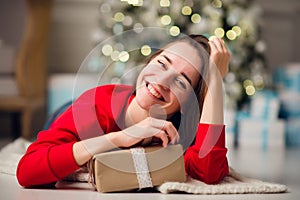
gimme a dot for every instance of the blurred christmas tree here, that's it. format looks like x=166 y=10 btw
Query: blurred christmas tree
x=238 y=22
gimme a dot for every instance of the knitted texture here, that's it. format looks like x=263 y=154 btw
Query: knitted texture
x=233 y=183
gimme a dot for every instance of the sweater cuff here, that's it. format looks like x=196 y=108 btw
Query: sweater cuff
x=61 y=160
x=210 y=135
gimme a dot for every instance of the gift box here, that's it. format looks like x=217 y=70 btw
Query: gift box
x=288 y=77
x=292 y=132
x=261 y=134
x=138 y=168
x=265 y=104
x=289 y=104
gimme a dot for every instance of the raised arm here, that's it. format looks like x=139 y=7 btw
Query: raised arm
x=206 y=159
x=212 y=112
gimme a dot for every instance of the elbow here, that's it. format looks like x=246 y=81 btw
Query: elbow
x=21 y=174
x=214 y=177
x=211 y=169
x=23 y=181
x=216 y=171
x=28 y=177
x=27 y=180
x=210 y=176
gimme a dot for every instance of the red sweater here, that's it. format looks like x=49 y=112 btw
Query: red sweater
x=50 y=157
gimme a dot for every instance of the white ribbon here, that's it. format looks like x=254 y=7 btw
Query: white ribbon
x=141 y=167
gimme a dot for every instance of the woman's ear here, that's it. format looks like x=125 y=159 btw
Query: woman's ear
x=181 y=111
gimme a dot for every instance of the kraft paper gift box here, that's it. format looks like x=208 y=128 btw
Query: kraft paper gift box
x=138 y=168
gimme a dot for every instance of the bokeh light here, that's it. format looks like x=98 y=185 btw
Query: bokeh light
x=216 y=3
x=174 y=31
x=124 y=56
x=138 y=27
x=115 y=55
x=237 y=30
x=119 y=17
x=107 y=50
x=231 y=35
x=164 y=3
x=196 y=18
x=247 y=82
x=219 y=32
x=250 y=90
x=165 y=19
x=186 y=10
x=146 y=50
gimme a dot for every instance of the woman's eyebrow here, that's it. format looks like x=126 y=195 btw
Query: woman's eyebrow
x=183 y=74
x=186 y=77
x=168 y=59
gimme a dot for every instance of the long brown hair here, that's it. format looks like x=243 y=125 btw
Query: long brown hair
x=187 y=121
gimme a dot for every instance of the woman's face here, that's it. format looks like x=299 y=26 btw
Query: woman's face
x=168 y=79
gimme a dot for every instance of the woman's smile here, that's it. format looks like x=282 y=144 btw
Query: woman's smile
x=154 y=92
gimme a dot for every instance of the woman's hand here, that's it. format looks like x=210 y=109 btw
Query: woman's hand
x=149 y=127
x=220 y=55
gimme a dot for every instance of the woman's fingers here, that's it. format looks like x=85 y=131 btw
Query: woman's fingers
x=163 y=137
x=167 y=127
x=151 y=127
x=218 y=45
x=220 y=55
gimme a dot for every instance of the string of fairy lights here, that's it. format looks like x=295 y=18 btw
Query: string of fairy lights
x=237 y=22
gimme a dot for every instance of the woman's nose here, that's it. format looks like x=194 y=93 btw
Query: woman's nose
x=164 y=87
x=164 y=80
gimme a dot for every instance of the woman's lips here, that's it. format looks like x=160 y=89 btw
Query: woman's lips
x=154 y=92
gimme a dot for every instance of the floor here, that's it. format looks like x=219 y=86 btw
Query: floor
x=272 y=165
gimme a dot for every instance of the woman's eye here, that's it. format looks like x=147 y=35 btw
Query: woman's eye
x=162 y=64
x=181 y=83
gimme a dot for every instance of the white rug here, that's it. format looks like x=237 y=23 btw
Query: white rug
x=11 y=154
x=234 y=183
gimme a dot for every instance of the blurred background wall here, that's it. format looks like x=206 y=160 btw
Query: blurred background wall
x=74 y=22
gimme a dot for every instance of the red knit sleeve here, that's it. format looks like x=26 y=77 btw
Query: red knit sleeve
x=206 y=159
x=46 y=162
x=50 y=157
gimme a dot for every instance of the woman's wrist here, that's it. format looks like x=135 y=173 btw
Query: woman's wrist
x=84 y=150
x=80 y=153
x=214 y=77
x=122 y=139
x=116 y=139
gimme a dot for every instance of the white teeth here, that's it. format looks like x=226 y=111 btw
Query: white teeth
x=153 y=91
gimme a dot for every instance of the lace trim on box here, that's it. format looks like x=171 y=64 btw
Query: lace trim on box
x=141 y=167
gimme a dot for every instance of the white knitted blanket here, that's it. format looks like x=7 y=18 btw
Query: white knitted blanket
x=233 y=183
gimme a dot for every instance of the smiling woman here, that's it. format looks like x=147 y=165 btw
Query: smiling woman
x=177 y=99
x=164 y=81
